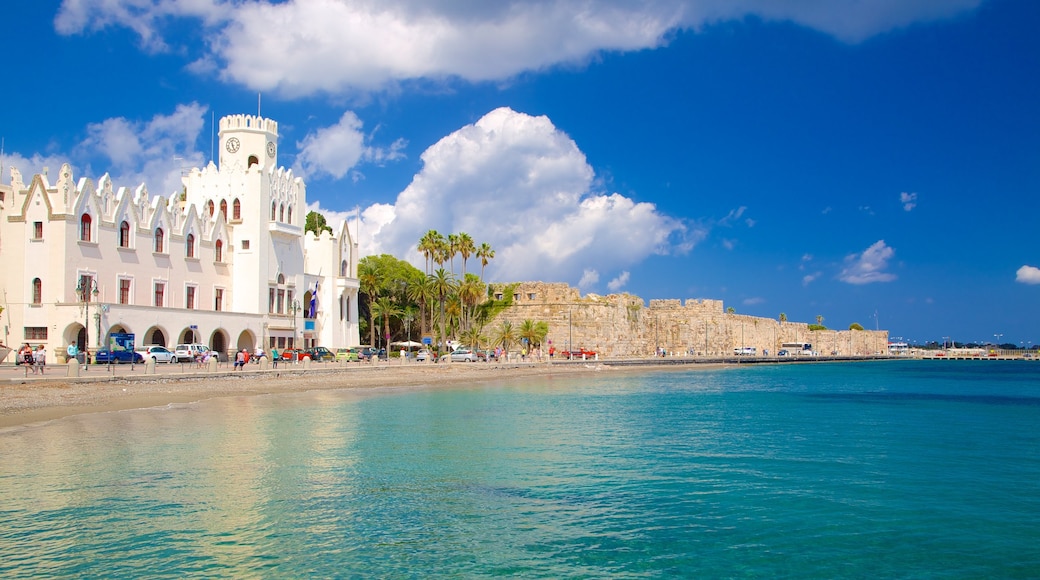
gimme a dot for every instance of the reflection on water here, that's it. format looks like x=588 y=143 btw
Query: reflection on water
x=765 y=471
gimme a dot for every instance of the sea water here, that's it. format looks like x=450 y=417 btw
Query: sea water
x=884 y=469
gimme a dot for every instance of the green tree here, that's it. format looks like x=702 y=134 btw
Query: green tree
x=315 y=222
x=783 y=318
x=855 y=326
x=819 y=319
x=485 y=254
x=384 y=307
x=443 y=287
x=730 y=310
x=504 y=335
x=466 y=249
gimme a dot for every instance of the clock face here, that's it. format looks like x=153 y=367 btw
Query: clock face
x=270 y=148
x=232 y=145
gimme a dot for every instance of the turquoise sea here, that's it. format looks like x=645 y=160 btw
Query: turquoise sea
x=882 y=470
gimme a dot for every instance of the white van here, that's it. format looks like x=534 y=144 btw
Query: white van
x=189 y=352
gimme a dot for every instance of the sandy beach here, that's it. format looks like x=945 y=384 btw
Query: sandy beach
x=25 y=401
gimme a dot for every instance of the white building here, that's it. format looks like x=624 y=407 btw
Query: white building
x=225 y=262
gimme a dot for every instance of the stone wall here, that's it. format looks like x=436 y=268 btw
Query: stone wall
x=620 y=325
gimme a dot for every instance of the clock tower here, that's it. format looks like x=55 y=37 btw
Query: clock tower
x=249 y=141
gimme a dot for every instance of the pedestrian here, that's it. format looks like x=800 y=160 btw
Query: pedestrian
x=72 y=351
x=240 y=359
x=274 y=357
x=40 y=358
x=26 y=354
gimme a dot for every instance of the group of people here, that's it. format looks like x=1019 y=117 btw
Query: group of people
x=243 y=356
x=33 y=358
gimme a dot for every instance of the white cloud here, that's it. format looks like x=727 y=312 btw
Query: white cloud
x=810 y=278
x=337 y=149
x=1028 y=275
x=909 y=200
x=518 y=183
x=869 y=266
x=340 y=46
x=589 y=278
x=619 y=282
x=753 y=301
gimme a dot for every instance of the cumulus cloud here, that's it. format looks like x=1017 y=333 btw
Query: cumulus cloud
x=753 y=301
x=868 y=266
x=518 y=183
x=589 y=278
x=619 y=282
x=365 y=45
x=1028 y=275
x=336 y=149
x=909 y=200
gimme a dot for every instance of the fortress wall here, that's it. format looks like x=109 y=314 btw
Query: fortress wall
x=620 y=325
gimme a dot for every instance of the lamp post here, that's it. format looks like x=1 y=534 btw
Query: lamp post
x=97 y=320
x=86 y=288
x=294 y=308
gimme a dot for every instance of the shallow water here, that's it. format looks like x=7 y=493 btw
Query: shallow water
x=909 y=468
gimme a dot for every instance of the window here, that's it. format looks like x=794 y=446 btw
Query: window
x=274 y=210
x=84 y=228
x=270 y=299
x=189 y=297
x=160 y=290
x=86 y=283
x=245 y=244
x=288 y=220
x=253 y=160
x=236 y=210
x=219 y=251
x=281 y=301
x=124 y=235
x=124 y=291
x=223 y=208
x=531 y=295
x=37 y=230
x=158 y=240
x=210 y=207
x=343 y=268
x=281 y=213
x=218 y=299
x=37 y=291
x=189 y=246
x=35 y=333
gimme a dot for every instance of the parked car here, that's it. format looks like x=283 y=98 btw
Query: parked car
x=189 y=352
x=106 y=356
x=320 y=353
x=293 y=354
x=578 y=354
x=461 y=354
x=486 y=355
x=423 y=355
x=347 y=354
x=369 y=352
x=160 y=354
x=783 y=353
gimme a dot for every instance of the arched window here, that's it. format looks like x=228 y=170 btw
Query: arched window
x=158 y=240
x=189 y=246
x=84 y=228
x=219 y=248
x=210 y=207
x=281 y=213
x=274 y=210
x=37 y=290
x=281 y=278
x=288 y=219
x=124 y=235
x=236 y=210
x=253 y=160
x=343 y=268
x=223 y=208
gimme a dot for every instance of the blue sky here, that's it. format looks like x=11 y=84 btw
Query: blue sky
x=873 y=162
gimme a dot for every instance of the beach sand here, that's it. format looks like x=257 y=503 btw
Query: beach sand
x=40 y=400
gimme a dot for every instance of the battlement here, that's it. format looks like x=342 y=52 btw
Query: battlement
x=252 y=122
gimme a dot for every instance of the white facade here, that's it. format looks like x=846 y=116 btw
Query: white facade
x=223 y=263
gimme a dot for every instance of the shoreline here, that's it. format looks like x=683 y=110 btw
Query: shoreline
x=40 y=400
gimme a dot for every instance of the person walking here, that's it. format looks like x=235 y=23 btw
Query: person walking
x=40 y=358
x=240 y=359
x=274 y=357
x=26 y=354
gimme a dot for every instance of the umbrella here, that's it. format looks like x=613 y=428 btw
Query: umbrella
x=407 y=344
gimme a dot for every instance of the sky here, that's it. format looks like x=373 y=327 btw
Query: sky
x=865 y=161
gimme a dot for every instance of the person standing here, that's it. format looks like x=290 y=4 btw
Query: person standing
x=40 y=358
x=274 y=357
x=72 y=350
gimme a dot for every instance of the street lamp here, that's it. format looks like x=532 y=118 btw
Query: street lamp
x=294 y=308
x=86 y=288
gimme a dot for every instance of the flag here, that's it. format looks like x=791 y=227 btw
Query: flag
x=314 y=302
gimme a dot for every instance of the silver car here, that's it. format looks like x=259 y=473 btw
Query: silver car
x=461 y=355
x=159 y=354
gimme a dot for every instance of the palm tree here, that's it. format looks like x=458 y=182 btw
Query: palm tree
x=466 y=249
x=428 y=246
x=819 y=319
x=486 y=254
x=453 y=248
x=443 y=286
x=504 y=335
x=474 y=338
x=385 y=307
x=422 y=292
x=369 y=286
x=783 y=318
x=730 y=310
x=471 y=289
